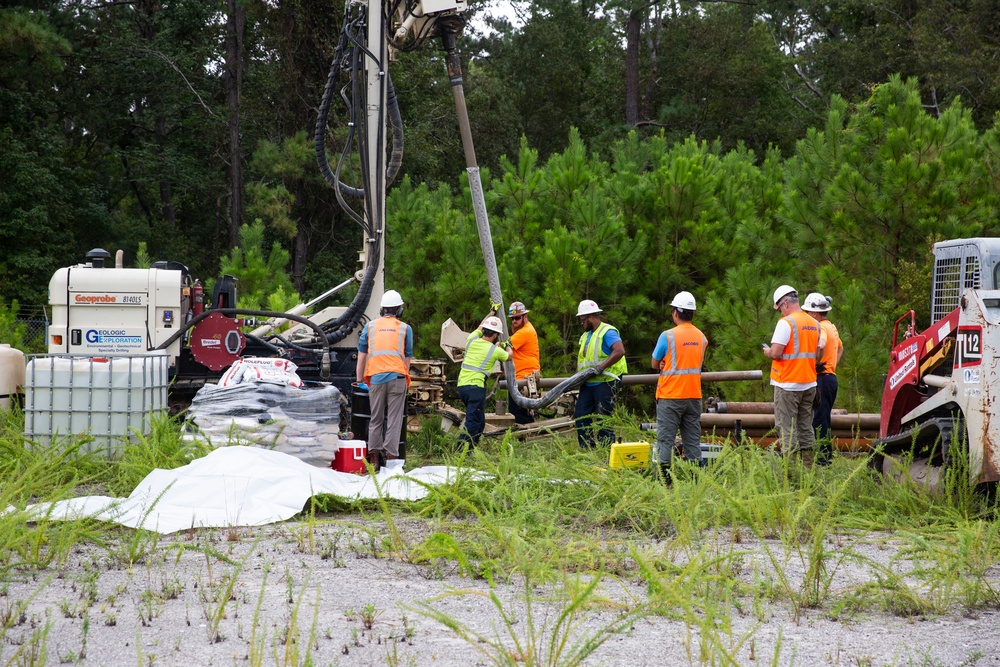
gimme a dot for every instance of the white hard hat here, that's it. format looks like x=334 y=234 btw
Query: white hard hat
x=588 y=307
x=391 y=299
x=782 y=291
x=817 y=303
x=516 y=309
x=492 y=323
x=684 y=301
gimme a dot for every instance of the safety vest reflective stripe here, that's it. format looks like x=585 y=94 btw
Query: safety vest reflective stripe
x=796 y=354
x=672 y=355
x=595 y=357
x=589 y=357
x=833 y=345
x=481 y=368
x=680 y=372
x=798 y=365
x=386 y=348
x=399 y=349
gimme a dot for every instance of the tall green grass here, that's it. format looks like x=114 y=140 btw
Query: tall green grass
x=751 y=530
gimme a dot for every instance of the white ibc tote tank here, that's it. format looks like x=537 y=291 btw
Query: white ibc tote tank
x=110 y=398
x=11 y=374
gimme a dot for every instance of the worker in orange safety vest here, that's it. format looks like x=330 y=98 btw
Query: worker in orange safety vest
x=796 y=343
x=385 y=349
x=818 y=305
x=524 y=348
x=678 y=358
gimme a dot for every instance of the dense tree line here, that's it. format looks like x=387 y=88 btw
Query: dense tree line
x=636 y=148
x=852 y=212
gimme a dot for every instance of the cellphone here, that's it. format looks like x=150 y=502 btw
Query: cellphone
x=765 y=346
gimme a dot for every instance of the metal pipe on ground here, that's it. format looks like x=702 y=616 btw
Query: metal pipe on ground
x=850 y=433
x=742 y=407
x=719 y=376
x=857 y=421
x=713 y=404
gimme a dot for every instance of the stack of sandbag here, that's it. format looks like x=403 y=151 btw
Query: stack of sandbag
x=300 y=421
x=261 y=369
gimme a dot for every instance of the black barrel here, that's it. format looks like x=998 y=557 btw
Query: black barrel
x=361 y=414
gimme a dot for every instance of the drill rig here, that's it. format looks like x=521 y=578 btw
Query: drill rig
x=942 y=386
x=101 y=308
x=103 y=311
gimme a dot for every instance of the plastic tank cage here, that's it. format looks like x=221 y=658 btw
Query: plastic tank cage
x=109 y=398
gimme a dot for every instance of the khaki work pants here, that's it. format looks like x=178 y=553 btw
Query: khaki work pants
x=793 y=415
x=387 y=402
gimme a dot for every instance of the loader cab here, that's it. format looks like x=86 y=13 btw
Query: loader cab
x=961 y=264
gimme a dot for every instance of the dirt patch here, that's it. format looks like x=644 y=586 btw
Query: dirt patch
x=325 y=593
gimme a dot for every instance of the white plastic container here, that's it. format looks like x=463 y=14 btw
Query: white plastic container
x=108 y=397
x=11 y=374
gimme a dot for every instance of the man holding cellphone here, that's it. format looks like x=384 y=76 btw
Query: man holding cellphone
x=796 y=343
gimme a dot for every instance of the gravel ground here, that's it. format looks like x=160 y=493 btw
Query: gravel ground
x=290 y=602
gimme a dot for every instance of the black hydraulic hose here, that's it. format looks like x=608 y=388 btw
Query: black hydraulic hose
x=341 y=327
x=319 y=137
x=261 y=341
x=396 y=154
x=324 y=371
x=351 y=52
x=284 y=342
x=396 y=123
x=322 y=118
x=551 y=395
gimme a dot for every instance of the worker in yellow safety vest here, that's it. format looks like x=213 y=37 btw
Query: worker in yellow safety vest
x=818 y=306
x=796 y=343
x=482 y=351
x=601 y=347
x=385 y=349
x=678 y=358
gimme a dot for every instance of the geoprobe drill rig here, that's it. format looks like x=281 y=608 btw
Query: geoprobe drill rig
x=100 y=310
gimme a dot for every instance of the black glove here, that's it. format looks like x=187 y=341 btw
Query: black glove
x=820 y=366
x=592 y=372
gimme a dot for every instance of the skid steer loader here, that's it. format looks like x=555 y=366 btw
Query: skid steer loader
x=941 y=390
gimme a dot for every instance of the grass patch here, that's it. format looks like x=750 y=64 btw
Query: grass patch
x=752 y=534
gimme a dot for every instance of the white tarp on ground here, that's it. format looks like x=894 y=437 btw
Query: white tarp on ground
x=238 y=486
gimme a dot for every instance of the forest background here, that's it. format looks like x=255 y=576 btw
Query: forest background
x=631 y=149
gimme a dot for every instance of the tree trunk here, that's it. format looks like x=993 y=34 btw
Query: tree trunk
x=300 y=257
x=632 y=37
x=653 y=29
x=235 y=20
x=166 y=190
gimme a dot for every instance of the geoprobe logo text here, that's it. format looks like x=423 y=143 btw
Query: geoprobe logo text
x=111 y=336
x=95 y=298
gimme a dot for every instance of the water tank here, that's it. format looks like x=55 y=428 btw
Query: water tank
x=110 y=398
x=11 y=374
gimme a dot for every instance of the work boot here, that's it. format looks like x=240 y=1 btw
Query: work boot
x=824 y=454
x=668 y=480
x=374 y=459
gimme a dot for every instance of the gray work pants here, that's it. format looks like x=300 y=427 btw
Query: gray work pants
x=386 y=425
x=673 y=414
x=793 y=416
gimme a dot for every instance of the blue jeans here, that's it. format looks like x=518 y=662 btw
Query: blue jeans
x=521 y=415
x=595 y=400
x=475 y=415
